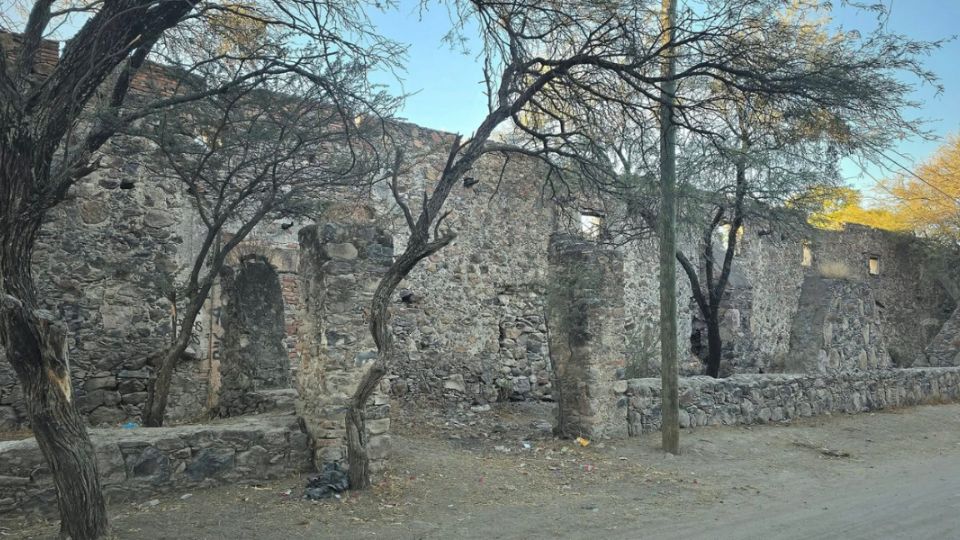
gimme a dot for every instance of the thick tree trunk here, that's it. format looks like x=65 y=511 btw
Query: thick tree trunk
x=714 y=345
x=35 y=346
x=36 y=349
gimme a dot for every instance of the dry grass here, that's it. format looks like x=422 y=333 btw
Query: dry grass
x=835 y=270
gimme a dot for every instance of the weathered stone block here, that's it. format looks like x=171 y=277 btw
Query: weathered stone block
x=210 y=462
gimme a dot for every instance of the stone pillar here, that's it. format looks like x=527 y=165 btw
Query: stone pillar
x=340 y=266
x=585 y=325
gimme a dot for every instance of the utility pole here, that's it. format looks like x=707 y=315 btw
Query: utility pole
x=669 y=394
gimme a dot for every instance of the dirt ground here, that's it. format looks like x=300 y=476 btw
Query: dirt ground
x=499 y=474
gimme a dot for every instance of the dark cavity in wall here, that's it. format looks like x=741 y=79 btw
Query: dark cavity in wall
x=254 y=355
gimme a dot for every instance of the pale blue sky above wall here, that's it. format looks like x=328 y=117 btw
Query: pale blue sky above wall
x=448 y=94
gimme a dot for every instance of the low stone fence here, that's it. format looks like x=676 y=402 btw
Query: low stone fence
x=138 y=463
x=758 y=399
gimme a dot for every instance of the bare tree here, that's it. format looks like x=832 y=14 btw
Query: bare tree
x=517 y=76
x=246 y=156
x=53 y=124
x=752 y=152
x=767 y=102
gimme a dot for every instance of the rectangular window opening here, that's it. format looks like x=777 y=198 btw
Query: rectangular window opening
x=591 y=225
x=873 y=266
x=807 y=258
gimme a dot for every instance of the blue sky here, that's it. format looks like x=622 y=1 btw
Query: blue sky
x=448 y=92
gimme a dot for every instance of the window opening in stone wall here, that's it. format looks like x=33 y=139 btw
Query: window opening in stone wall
x=873 y=266
x=807 y=257
x=591 y=225
x=723 y=231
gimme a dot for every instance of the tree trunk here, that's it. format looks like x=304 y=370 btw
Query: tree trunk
x=714 y=345
x=670 y=429
x=35 y=346
x=419 y=247
x=36 y=349
x=357 y=457
x=156 y=404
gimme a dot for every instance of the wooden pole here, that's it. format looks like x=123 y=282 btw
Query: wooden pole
x=668 y=239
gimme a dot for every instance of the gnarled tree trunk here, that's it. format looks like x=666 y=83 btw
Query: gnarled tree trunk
x=419 y=247
x=35 y=346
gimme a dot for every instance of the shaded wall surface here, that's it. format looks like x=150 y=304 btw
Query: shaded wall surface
x=254 y=331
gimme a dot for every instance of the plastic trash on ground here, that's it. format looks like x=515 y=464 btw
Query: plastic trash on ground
x=328 y=483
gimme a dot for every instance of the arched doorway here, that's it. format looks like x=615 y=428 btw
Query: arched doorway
x=254 y=355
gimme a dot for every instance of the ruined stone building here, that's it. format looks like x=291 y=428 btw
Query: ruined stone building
x=472 y=320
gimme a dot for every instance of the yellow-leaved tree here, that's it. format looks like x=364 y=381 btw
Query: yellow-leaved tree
x=928 y=202
x=842 y=205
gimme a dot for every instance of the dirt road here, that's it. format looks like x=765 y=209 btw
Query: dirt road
x=877 y=476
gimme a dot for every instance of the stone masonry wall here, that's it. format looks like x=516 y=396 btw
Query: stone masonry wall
x=472 y=329
x=642 y=305
x=912 y=302
x=137 y=464
x=758 y=399
x=103 y=264
x=341 y=265
x=837 y=328
x=587 y=345
x=770 y=265
x=944 y=348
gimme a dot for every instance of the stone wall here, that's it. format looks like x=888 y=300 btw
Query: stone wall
x=471 y=325
x=474 y=319
x=137 y=464
x=837 y=328
x=758 y=399
x=944 y=348
x=642 y=308
x=585 y=314
x=763 y=302
x=104 y=263
x=912 y=299
x=769 y=269
x=341 y=265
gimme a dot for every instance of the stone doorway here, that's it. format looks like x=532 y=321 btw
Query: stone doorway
x=254 y=355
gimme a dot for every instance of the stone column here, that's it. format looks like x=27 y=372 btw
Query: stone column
x=585 y=324
x=340 y=266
